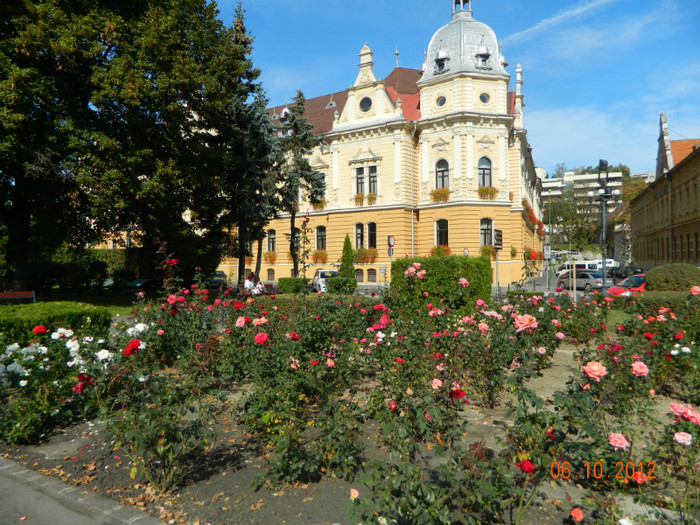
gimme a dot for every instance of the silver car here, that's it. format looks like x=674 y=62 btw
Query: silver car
x=585 y=280
x=319 y=282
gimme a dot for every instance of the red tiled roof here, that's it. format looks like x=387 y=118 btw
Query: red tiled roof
x=680 y=149
x=403 y=80
x=511 y=103
x=318 y=111
x=401 y=83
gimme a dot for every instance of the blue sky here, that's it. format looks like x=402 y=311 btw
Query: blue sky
x=597 y=73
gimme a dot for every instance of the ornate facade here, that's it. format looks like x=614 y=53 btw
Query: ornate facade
x=433 y=157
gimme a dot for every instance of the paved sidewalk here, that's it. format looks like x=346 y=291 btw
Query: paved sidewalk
x=30 y=497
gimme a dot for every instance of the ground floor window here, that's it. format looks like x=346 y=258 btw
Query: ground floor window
x=270 y=275
x=359 y=276
x=371 y=276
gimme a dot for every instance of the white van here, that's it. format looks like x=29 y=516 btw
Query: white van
x=580 y=265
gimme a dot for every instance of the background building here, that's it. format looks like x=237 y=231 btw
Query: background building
x=433 y=157
x=666 y=217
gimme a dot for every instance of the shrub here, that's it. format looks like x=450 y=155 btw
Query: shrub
x=441 y=280
x=345 y=283
x=673 y=277
x=292 y=284
x=16 y=322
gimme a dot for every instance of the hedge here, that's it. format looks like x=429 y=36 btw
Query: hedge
x=673 y=277
x=292 y=284
x=441 y=281
x=17 y=321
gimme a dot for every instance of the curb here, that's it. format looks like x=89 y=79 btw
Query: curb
x=106 y=511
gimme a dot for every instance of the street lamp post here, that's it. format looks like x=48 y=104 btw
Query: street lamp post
x=604 y=194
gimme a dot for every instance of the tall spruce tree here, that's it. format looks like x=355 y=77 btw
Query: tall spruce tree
x=297 y=178
x=127 y=115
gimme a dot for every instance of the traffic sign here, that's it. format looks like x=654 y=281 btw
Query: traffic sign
x=391 y=241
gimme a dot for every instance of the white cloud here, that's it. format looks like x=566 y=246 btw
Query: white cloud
x=555 y=20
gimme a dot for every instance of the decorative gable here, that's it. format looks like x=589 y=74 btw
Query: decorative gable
x=441 y=144
x=318 y=164
x=485 y=142
x=365 y=155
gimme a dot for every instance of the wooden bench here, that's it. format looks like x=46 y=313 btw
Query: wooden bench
x=18 y=297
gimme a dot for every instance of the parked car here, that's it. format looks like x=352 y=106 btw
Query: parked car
x=218 y=280
x=626 y=271
x=629 y=286
x=318 y=284
x=144 y=284
x=585 y=280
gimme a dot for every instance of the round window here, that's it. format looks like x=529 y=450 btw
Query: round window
x=366 y=104
x=484 y=97
x=441 y=101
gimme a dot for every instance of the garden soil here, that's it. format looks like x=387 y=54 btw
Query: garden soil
x=220 y=489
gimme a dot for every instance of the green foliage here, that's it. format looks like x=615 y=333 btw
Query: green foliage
x=292 y=284
x=345 y=283
x=17 y=321
x=441 y=280
x=673 y=277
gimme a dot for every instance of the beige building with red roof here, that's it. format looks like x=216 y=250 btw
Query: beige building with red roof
x=432 y=157
x=666 y=216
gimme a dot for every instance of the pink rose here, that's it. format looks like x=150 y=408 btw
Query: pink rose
x=420 y=274
x=559 y=335
x=437 y=383
x=541 y=350
x=683 y=438
x=483 y=327
x=463 y=282
x=640 y=369
x=695 y=290
x=261 y=338
x=354 y=494
x=330 y=363
x=595 y=370
x=525 y=322
x=618 y=441
x=240 y=322
x=160 y=331
x=172 y=299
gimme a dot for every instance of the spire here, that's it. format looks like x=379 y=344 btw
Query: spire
x=397 y=56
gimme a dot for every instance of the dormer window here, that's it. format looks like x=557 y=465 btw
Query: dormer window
x=442 y=62
x=482 y=56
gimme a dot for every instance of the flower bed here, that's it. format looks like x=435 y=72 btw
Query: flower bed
x=328 y=377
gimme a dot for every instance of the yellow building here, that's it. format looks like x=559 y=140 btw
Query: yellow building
x=431 y=157
x=666 y=216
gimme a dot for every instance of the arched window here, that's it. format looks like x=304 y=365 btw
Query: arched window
x=372 y=235
x=442 y=174
x=270 y=274
x=359 y=275
x=321 y=238
x=486 y=228
x=371 y=275
x=271 y=240
x=441 y=233
x=485 y=172
x=359 y=236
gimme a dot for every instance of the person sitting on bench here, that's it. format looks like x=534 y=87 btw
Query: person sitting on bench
x=252 y=287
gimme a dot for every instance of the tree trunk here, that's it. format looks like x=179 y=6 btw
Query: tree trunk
x=17 y=258
x=258 y=257
x=293 y=245
x=241 y=255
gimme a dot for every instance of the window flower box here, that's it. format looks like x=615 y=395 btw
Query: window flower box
x=371 y=198
x=320 y=205
x=319 y=256
x=365 y=255
x=270 y=257
x=249 y=259
x=488 y=251
x=359 y=199
x=440 y=251
x=440 y=195
x=488 y=192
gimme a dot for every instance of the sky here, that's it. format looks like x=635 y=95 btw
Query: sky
x=597 y=73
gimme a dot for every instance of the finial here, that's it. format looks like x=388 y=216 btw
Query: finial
x=396 y=53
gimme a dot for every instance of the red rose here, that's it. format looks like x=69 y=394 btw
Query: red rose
x=313 y=362
x=456 y=393
x=132 y=347
x=392 y=405
x=527 y=467
x=399 y=360
x=551 y=433
x=39 y=329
